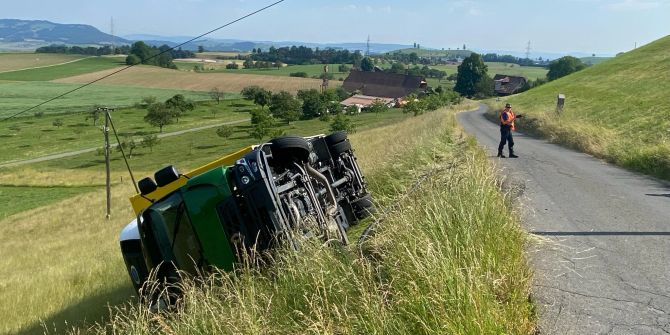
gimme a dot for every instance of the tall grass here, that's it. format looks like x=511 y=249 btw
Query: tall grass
x=449 y=260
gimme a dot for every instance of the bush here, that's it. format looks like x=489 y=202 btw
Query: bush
x=232 y=66
x=298 y=74
x=342 y=122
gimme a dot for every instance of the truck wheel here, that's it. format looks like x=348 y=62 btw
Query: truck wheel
x=338 y=148
x=336 y=137
x=147 y=185
x=290 y=147
x=166 y=175
x=363 y=207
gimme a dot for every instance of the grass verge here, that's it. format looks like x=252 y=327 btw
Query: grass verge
x=450 y=260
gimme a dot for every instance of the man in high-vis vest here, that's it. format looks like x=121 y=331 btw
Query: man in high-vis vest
x=507 y=118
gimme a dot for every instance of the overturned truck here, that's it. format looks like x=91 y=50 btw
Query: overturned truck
x=253 y=199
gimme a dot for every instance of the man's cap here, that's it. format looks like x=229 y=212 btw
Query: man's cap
x=508 y=105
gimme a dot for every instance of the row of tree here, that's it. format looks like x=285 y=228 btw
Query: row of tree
x=301 y=55
x=77 y=50
x=141 y=53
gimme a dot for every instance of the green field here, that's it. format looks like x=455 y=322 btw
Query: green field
x=11 y=61
x=30 y=137
x=618 y=110
x=86 y=65
x=17 y=96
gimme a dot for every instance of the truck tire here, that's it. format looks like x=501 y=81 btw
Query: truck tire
x=290 y=148
x=166 y=175
x=338 y=148
x=363 y=207
x=336 y=137
x=147 y=185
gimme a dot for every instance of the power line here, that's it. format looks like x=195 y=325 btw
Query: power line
x=152 y=57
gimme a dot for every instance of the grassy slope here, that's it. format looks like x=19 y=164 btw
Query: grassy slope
x=84 y=269
x=74 y=284
x=82 y=66
x=16 y=61
x=618 y=109
x=449 y=261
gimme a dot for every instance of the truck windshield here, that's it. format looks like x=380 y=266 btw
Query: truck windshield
x=174 y=233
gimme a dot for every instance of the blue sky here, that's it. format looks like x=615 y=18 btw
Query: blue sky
x=592 y=26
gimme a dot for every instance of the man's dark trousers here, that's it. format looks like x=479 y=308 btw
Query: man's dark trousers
x=506 y=137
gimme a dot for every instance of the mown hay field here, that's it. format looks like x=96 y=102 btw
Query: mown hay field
x=17 y=61
x=153 y=77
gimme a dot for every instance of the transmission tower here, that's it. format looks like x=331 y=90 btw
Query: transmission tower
x=111 y=26
x=528 y=50
x=367 y=47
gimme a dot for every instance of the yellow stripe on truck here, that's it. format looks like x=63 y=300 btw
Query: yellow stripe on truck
x=140 y=202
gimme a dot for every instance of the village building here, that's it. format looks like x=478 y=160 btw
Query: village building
x=389 y=88
x=508 y=85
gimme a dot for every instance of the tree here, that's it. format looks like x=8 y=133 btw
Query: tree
x=564 y=66
x=378 y=106
x=248 y=63
x=284 y=106
x=413 y=105
x=178 y=105
x=397 y=67
x=224 y=131
x=159 y=115
x=216 y=94
x=343 y=68
x=261 y=124
x=232 y=66
x=150 y=141
x=201 y=49
x=132 y=60
x=367 y=65
x=312 y=103
x=57 y=123
x=342 y=123
x=470 y=73
x=258 y=95
x=94 y=114
x=128 y=144
x=148 y=101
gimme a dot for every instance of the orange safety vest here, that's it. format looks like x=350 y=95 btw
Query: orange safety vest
x=510 y=118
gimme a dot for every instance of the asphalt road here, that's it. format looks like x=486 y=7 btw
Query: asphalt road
x=601 y=245
x=112 y=140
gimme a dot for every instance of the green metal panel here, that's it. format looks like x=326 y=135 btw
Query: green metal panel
x=202 y=194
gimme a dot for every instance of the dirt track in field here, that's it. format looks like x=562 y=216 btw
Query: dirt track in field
x=154 y=77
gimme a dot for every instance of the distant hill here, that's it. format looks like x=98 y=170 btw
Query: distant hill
x=240 y=45
x=44 y=32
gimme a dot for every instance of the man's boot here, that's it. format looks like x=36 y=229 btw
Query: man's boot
x=512 y=155
x=500 y=154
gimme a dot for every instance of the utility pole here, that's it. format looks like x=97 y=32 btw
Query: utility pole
x=367 y=48
x=105 y=131
x=112 y=33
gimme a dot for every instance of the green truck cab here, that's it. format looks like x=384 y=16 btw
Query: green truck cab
x=249 y=201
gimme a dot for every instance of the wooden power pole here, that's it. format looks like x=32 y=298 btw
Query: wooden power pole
x=105 y=130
